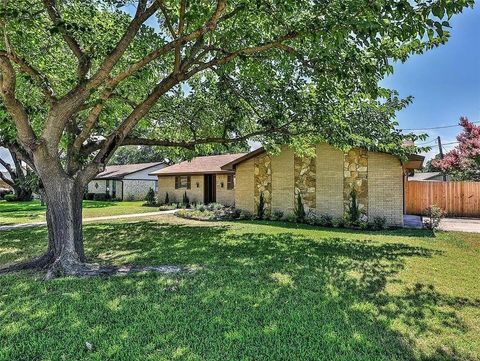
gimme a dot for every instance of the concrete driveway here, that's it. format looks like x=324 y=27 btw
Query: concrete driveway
x=460 y=224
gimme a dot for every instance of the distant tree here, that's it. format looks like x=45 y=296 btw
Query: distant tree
x=429 y=167
x=463 y=162
x=137 y=154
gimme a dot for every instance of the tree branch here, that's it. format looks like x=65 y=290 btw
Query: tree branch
x=14 y=106
x=84 y=61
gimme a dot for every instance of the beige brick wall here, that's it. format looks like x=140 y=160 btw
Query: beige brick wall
x=244 y=189
x=167 y=184
x=224 y=196
x=385 y=188
x=329 y=182
x=283 y=181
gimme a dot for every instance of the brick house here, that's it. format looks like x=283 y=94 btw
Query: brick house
x=202 y=178
x=325 y=181
x=126 y=182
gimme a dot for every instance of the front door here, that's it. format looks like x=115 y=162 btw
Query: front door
x=209 y=188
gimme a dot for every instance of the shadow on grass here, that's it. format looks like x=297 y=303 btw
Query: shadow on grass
x=258 y=296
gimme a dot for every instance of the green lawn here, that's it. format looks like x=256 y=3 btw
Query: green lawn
x=25 y=212
x=267 y=291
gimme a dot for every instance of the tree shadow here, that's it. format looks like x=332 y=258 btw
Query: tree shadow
x=256 y=296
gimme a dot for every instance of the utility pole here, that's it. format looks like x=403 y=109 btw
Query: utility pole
x=441 y=155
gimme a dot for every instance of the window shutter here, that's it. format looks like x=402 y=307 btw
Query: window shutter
x=189 y=183
x=177 y=179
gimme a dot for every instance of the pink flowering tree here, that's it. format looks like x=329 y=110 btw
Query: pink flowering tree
x=463 y=162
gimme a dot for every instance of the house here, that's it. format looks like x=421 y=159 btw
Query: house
x=202 y=178
x=125 y=182
x=3 y=184
x=324 y=182
x=428 y=176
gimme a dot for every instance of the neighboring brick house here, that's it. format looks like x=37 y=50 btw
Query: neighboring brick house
x=202 y=178
x=126 y=182
x=325 y=181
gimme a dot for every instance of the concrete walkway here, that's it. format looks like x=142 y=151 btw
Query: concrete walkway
x=104 y=218
x=460 y=224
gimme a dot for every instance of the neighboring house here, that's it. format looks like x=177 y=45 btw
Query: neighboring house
x=126 y=182
x=428 y=176
x=4 y=184
x=325 y=182
x=202 y=178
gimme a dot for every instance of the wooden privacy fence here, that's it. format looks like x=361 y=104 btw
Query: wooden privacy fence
x=459 y=199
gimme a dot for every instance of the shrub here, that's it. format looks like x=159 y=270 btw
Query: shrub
x=338 y=222
x=186 y=200
x=276 y=215
x=4 y=192
x=167 y=200
x=379 y=223
x=261 y=207
x=101 y=197
x=167 y=207
x=299 y=210
x=90 y=196
x=289 y=217
x=353 y=209
x=245 y=215
x=435 y=215
x=150 y=199
x=325 y=220
x=311 y=218
x=130 y=197
x=10 y=197
x=200 y=207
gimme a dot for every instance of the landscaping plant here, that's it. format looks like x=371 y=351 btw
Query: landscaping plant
x=435 y=215
x=261 y=207
x=150 y=199
x=299 y=209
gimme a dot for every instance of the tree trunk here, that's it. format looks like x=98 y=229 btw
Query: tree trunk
x=63 y=197
x=22 y=194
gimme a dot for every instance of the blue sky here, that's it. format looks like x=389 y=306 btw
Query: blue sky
x=445 y=82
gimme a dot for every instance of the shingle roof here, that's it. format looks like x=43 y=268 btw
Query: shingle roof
x=200 y=165
x=119 y=171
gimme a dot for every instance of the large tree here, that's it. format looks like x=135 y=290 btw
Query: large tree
x=81 y=78
x=463 y=161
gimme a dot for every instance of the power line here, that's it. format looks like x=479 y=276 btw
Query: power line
x=439 y=127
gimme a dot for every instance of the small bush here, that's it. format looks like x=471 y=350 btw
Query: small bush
x=379 y=223
x=245 y=215
x=4 y=192
x=276 y=215
x=200 y=207
x=150 y=199
x=167 y=207
x=167 y=199
x=338 y=222
x=325 y=220
x=10 y=197
x=101 y=197
x=186 y=200
x=311 y=218
x=299 y=210
x=261 y=207
x=435 y=215
x=289 y=217
x=130 y=198
x=353 y=209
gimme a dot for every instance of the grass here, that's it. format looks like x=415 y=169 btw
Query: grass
x=264 y=291
x=26 y=212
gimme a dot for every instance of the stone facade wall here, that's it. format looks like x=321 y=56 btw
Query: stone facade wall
x=385 y=183
x=99 y=186
x=329 y=180
x=325 y=182
x=283 y=181
x=244 y=189
x=305 y=181
x=263 y=182
x=355 y=178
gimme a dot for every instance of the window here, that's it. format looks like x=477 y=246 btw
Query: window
x=231 y=181
x=182 y=182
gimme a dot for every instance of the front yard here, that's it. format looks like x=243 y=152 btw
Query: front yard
x=26 y=212
x=262 y=291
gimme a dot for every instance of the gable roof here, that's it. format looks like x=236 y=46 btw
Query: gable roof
x=425 y=176
x=414 y=161
x=120 y=171
x=200 y=165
